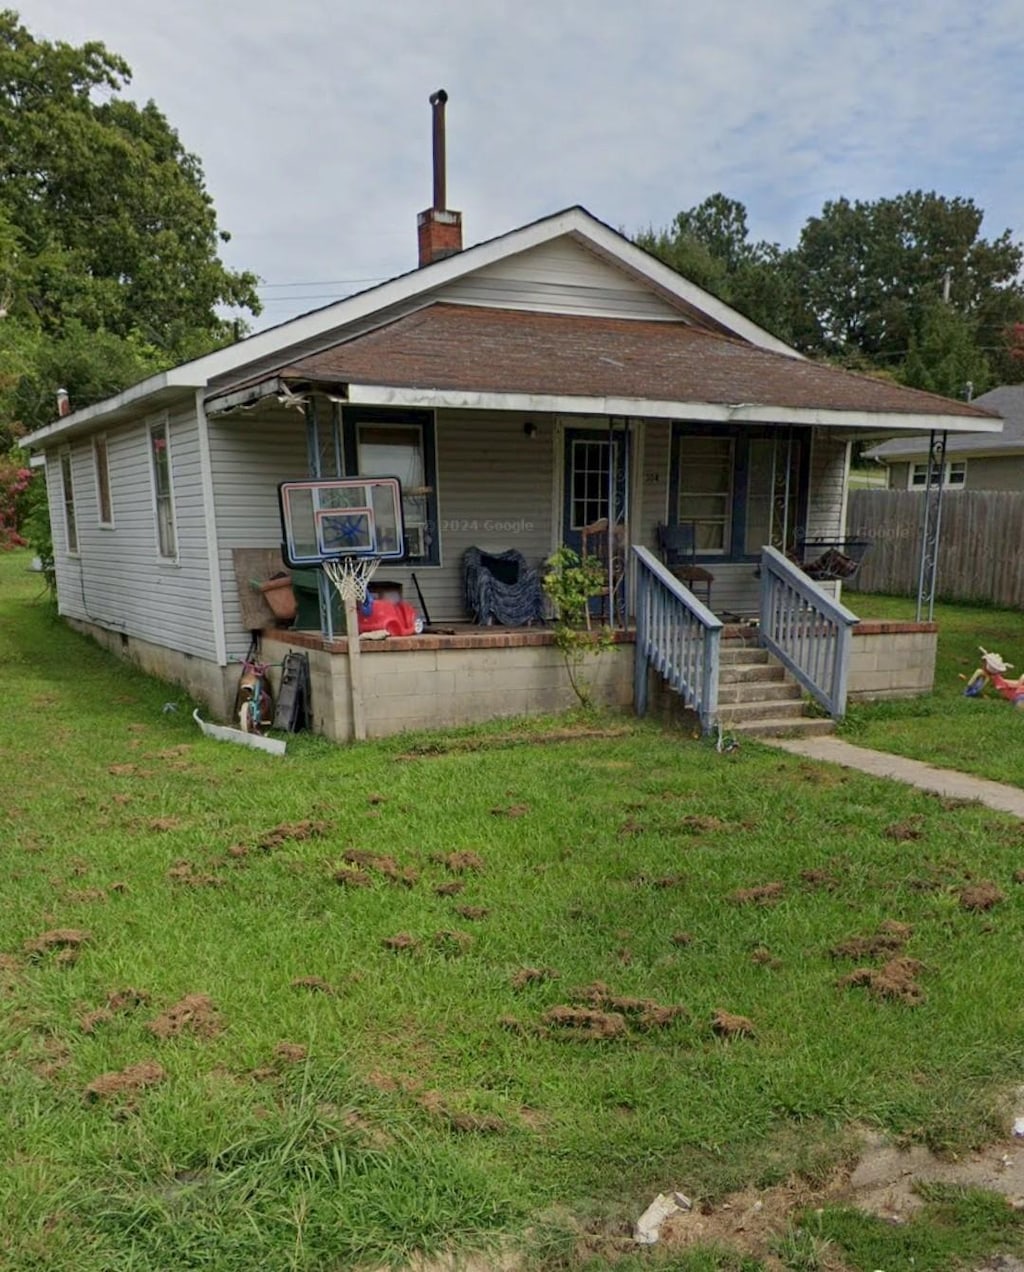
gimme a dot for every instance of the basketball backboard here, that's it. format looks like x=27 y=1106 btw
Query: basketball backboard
x=324 y=520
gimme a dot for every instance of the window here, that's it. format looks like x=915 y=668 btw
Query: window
x=704 y=494
x=400 y=444
x=68 y=493
x=101 y=461
x=954 y=475
x=163 y=496
x=589 y=494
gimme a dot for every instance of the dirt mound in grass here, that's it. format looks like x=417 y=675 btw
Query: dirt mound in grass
x=585 y=1023
x=728 y=1025
x=904 y=832
x=642 y=1013
x=119 y=1001
x=762 y=894
x=292 y=832
x=981 y=896
x=194 y=1014
x=315 y=984
x=129 y=1081
x=400 y=941
x=189 y=875
x=533 y=976
x=450 y=889
x=890 y=936
x=472 y=912
x=462 y=862
x=381 y=864
x=895 y=980
x=511 y=810
x=57 y=939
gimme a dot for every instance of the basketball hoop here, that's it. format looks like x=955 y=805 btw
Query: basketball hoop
x=351 y=576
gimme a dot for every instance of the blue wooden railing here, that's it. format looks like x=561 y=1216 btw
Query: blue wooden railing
x=677 y=636
x=806 y=630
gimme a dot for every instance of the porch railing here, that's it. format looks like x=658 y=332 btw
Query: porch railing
x=677 y=636
x=806 y=630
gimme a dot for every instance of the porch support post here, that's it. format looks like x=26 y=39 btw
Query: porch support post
x=643 y=585
x=313 y=459
x=931 y=524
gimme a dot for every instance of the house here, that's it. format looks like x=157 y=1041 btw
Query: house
x=971 y=461
x=523 y=389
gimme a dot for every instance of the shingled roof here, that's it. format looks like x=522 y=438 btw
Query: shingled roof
x=1007 y=401
x=477 y=349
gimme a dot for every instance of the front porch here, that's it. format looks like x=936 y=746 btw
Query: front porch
x=479 y=674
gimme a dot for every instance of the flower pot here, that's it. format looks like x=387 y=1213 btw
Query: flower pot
x=278 y=594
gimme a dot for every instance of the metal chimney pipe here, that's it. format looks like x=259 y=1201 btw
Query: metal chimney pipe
x=437 y=101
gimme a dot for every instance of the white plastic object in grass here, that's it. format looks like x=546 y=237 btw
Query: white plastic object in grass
x=273 y=746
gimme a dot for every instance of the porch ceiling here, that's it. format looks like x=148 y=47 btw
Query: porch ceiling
x=464 y=355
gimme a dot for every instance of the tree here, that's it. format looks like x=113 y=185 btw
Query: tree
x=710 y=245
x=109 y=265
x=871 y=278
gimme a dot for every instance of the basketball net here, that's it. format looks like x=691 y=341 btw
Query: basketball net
x=351 y=576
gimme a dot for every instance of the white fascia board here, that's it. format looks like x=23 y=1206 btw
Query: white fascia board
x=80 y=421
x=875 y=422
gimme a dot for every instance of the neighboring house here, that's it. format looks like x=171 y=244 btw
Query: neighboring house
x=983 y=461
x=522 y=388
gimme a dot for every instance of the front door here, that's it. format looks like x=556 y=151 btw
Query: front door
x=595 y=481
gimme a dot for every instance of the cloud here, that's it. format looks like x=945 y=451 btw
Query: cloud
x=313 y=125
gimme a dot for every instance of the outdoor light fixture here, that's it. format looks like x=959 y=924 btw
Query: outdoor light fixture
x=530 y=429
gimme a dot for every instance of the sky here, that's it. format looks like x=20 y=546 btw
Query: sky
x=312 y=121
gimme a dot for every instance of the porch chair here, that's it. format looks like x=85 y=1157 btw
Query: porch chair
x=677 y=546
x=501 y=588
x=594 y=545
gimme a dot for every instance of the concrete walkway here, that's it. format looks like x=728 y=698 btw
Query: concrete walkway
x=1005 y=799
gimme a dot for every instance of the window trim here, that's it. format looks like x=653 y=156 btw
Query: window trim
x=426 y=421
x=101 y=441
x=67 y=486
x=947 y=483
x=153 y=424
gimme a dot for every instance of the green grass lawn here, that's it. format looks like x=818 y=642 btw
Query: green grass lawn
x=246 y=1019
x=983 y=736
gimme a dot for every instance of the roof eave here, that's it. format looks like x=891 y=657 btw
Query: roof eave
x=871 y=423
x=154 y=392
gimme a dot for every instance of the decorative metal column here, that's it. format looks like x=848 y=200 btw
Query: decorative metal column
x=314 y=457
x=931 y=524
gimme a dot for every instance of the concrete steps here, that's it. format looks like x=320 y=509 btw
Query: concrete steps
x=757 y=696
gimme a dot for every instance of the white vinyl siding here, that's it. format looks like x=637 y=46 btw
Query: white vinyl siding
x=561 y=277
x=118 y=581
x=494 y=492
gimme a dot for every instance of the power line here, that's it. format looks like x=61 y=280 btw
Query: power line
x=323 y=282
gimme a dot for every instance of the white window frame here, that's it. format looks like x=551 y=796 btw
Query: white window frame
x=153 y=425
x=917 y=474
x=100 y=445
x=67 y=490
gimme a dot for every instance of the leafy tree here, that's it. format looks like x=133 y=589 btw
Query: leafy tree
x=872 y=276
x=109 y=265
x=710 y=245
x=904 y=287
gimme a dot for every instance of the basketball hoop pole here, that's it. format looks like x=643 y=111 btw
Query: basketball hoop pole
x=351 y=577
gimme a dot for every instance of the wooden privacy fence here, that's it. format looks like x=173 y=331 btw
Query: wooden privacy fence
x=981 y=547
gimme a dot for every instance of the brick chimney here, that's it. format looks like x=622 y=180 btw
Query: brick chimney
x=439 y=229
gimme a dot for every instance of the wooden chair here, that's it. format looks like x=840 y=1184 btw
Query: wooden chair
x=678 y=548
x=594 y=543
